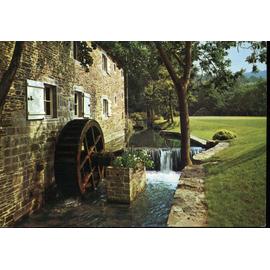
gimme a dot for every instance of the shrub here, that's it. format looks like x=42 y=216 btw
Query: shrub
x=224 y=134
x=157 y=117
x=134 y=159
x=138 y=116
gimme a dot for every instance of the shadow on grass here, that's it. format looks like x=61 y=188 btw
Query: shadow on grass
x=168 y=125
x=245 y=157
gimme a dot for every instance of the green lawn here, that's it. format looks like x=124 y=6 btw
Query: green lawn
x=236 y=186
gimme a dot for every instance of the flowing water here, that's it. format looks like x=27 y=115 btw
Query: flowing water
x=150 y=209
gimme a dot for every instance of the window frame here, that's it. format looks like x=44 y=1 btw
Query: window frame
x=79 y=104
x=52 y=101
x=104 y=63
x=76 y=53
x=105 y=107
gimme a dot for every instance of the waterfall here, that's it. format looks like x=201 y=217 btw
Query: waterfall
x=169 y=159
x=165 y=160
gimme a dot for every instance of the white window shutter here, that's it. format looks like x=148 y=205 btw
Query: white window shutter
x=86 y=105
x=35 y=100
x=109 y=108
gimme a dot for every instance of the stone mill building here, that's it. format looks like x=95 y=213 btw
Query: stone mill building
x=50 y=89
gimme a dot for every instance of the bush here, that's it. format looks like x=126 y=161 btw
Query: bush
x=134 y=159
x=157 y=117
x=138 y=116
x=224 y=134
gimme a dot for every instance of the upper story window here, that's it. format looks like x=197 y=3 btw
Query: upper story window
x=50 y=103
x=105 y=108
x=114 y=67
x=76 y=50
x=104 y=63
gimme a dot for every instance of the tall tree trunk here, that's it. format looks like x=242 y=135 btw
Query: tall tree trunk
x=181 y=84
x=171 y=110
x=9 y=74
x=184 y=126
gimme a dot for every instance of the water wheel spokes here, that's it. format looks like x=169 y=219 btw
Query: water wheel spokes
x=79 y=143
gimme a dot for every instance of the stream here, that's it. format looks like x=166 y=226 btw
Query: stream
x=150 y=209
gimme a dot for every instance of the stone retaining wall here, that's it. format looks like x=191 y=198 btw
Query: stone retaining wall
x=189 y=207
x=124 y=184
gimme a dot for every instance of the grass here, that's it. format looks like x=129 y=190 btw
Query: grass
x=236 y=185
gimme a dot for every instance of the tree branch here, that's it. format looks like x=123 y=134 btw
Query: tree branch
x=177 y=59
x=188 y=61
x=9 y=74
x=167 y=62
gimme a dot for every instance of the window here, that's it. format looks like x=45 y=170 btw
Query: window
x=78 y=101
x=76 y=50
x=104 y=63
x=81 y=102
x=115 y=99
x=50 y=101
x=41 y=100
x=105 y=108
x=114 y=67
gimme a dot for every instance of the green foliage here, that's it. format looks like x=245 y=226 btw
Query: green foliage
x=85 y=57
x=134 y=159
x=202 y=112
x=247 y=96
x=224 y=134
x=138 y=116
x=160 y=95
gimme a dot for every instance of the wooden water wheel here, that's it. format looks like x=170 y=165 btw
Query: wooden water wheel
x=78 y=165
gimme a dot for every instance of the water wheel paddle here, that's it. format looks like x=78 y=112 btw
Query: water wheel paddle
x=77 y=167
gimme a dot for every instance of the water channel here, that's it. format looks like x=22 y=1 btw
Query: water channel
x=150 y=209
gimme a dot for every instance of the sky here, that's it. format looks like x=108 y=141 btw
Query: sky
x=238 y=60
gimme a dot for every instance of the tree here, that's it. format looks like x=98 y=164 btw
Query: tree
x=160 y=96
x=180 y=58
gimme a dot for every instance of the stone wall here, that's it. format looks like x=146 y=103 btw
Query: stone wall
x=124 y=184
x=27 y=146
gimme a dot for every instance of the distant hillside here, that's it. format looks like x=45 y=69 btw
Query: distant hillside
x=257 y=75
